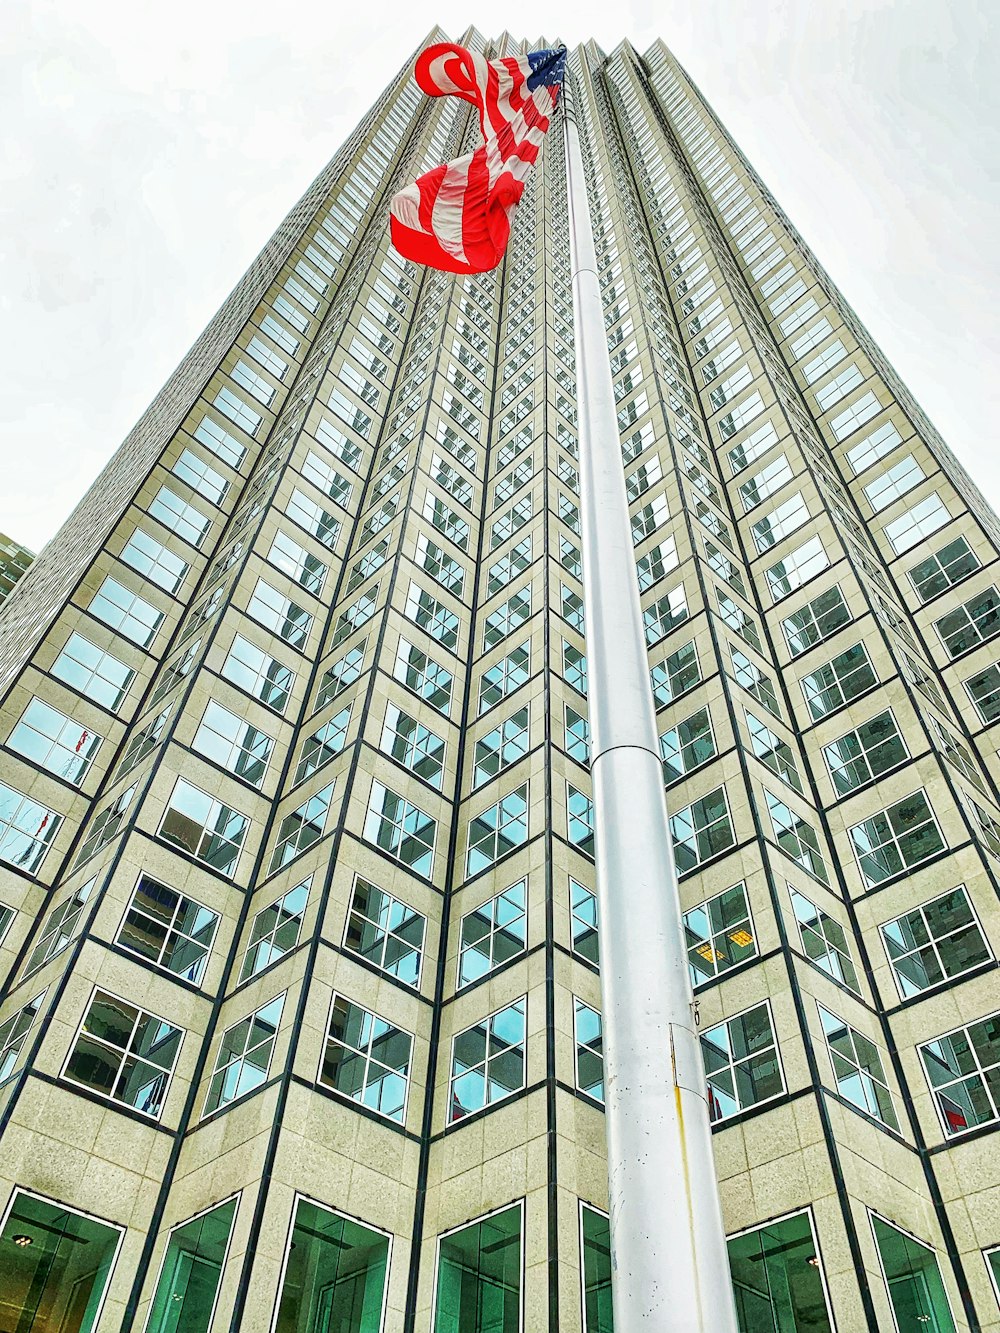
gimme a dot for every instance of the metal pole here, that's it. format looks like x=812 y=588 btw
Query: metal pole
x=670 y=1267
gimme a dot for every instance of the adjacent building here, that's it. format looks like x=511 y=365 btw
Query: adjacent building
x=14 y=560
x=301 y=1027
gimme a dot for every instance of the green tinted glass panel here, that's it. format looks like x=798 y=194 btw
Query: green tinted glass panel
x=916 y=1291
x=479 y=1277
x=776 y=1280
x=597 y=1317
x=192 y=1267
x=335 y=1275
x=53 y=1260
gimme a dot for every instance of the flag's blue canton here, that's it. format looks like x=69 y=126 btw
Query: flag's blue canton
x=547 y=67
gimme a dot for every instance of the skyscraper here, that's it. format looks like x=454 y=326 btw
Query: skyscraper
x=301 y=1027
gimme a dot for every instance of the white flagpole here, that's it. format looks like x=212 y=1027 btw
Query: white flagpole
x=670 y=1267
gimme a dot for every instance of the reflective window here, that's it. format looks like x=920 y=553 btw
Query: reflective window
x=488 y=1062
x=424 y=676
x=93 y=673
x=27 y=830
x=334 y=1276
x=862 y=755
x=275 y=930
x=479 y=1276
x=387 y=933
x=400 y=829
x=897 y=838
x=300 y=829
x=857 y=1069
x=589 y=1050
x=584 y=922
x=233 y=743
x=244 y=1057
x=126 y=612
x=595 y=1242
x=413 y=745
x=367 y=1059
x=970 y=624
x=54 y=741
x=741 y=1063
x=168 y=930
x=492 y=934
x=719 y=934
x=204 y=827
x=498 y=830
x=963 y=1069
x=824 y=941
x=124 y=1053
x=935 y=942
x=843 y=678
x=702 y=830
x=258 y=674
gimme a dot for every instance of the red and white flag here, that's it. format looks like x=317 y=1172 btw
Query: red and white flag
x=458 y=216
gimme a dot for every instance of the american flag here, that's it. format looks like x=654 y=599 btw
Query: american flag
x=458 y=216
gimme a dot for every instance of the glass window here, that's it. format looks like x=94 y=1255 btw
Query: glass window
x=433 y=616
x=512 y=613
x=589 y=1050
x=702 y=830
x=719 y=934
x=584 y=922
x=440 y=565
x=839 y=681
x=577 y=735
x=479 y=1276
x=824 y=941
x=204 y=827
x=488 y=1062
x=574 y=667
x=595 y=1244
x=154 y=561
x=424 y=676
x=963 y=1070
x=400 y=829
x=189 y=523
x=913 y=1280
x=498 y=831
x=336 y=678
x=14 y=1033
x=233 y=743
x=774 y=752
x=897 y=838
x=413 y=745
x=323 y=745
x=55 y=1260
x=893 y=482
x=387 y=933
x=862 y=755
x=796 y=568
x=27 y=830
x=816 y=621
x=778 y=1280
x=54 y=741
x=124 y=1053
x=923 y=518
x=749 y=675
x=501 y=748
x=126 y=612
x=244 y=1056
x=168 y=930
x=687 y=745
x=505 y=676
x=580 y=820
x=873 y=447
x=200 y=477
x=279 y=614
x=93 y=673
x=335 y=1274
x=191 y=1272
x=970 y=624
x=275 y=930
x=857 y=1069
x=796 y=838
x=106 y=826
x=933 y=943
x=300 y=829
x=226 y=446
x=943 y=569
x=492 y=934
x=367 y=1059
x=741 y=1063
x=306 y=569
x=665 y=614
x=984 y=691
x=258 y=674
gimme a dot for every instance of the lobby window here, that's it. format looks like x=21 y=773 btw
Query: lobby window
x=498 y=831
x=334 y=1274
x=595 y=1245
x=126 y=612
x=275 y=930
x=970 y=624
x=300 y=829
x=55 y=1259
x=123 y=1053
x=504 y=677
x=796 y=838
x=492 y=934
x=686 y=746
x=857 y=1069
x=244 y=1057
x=838 y=681
x=260 y=675
x=862 y=755
x=387 y=933
x=589 y=1050
x=367 y=1059
x=719 y=934
x=413 y=745
x=204 y=827
x=942 y=570
x=913 y=1280
x=778 y=1279
x=54 y=742
x=935 y=942
x=27 y=830
x=191 y=1272
x=488 y=1062
x=93 y=673
x=168 y=930
x=824 y=941
x=233 y=743
x=896 y=839
x=963 y=1070
x=14 y=1033
x=479 y=1276
x=400 y=829
x=425 y=677
x=702 y=830
x=741 y=1063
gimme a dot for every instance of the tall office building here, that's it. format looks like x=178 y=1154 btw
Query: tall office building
x=14 y=560
x=301 y=1028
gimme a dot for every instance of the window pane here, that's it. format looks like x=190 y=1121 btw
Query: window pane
x=335 y=1272
x=596 y=1241
x=479 y=1277
x=777 y=1280
x=913 y=1279
x=192 y=1267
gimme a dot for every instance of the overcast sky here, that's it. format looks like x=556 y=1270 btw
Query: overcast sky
x=149 y=151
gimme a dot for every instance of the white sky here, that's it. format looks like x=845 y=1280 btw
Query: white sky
x=148 y=152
